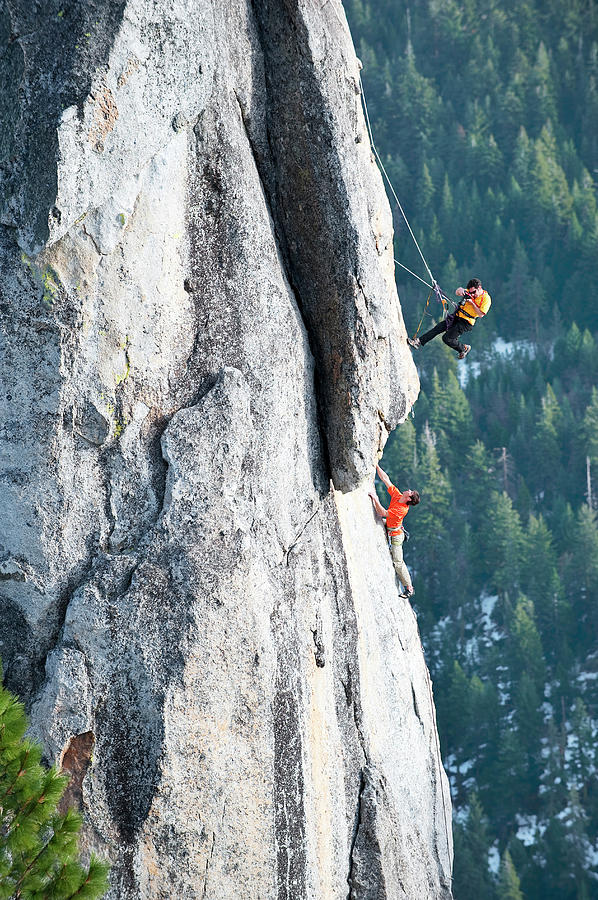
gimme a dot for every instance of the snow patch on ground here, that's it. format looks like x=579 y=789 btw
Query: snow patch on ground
x=529 y=829
x=507 y=349
x=502 y=349
x=460 y=814
x=487 y=604
x=592 y=855
x=494 y=859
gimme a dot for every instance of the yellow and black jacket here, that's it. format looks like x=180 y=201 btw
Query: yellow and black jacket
x=470 y=310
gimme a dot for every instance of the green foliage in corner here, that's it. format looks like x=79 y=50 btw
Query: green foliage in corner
x=39 y=857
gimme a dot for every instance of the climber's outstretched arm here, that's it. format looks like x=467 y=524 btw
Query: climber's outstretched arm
x=383 y=477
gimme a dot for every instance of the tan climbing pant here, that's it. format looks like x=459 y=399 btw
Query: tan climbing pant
x=396 y=551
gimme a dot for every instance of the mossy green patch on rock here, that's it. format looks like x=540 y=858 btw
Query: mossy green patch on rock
x=45 y=277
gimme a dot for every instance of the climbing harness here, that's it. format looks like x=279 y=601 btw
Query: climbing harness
x=395 y=532
x=426 y=313
x=434 y=287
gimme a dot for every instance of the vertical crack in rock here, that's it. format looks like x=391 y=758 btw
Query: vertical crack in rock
x=289 y=791
x=319 y=651
x=305 y=178
x=355 y=832
x=367 y=876
x=208 y=862
x=48 y=631
x=346 y=666
x=442 y=835
x=264 y=165
x=415 y=706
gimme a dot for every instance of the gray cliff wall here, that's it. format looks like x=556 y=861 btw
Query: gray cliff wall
x=202 y=354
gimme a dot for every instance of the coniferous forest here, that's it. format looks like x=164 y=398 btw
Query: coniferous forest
x=485 y=114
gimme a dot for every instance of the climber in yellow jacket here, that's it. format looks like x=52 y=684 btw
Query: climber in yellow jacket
x=475 y=304
x=400 y=501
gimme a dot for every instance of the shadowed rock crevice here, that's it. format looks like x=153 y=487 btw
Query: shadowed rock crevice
x=289 y=796
x=356 y=825
x=375 y=868
x=266 y=168
x=310 y=210
x=134 y=726
x=19 y=667
x=129 y=721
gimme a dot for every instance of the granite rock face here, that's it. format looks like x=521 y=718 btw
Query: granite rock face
x=202 y=354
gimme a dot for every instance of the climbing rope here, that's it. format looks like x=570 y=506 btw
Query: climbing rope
x=442 y=298
x=394 y=193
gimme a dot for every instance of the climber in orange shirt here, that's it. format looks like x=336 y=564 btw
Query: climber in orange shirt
x=475 y=304
x=400 y=501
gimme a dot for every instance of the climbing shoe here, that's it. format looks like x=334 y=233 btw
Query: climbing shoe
x=407 y=592
x=465 y=351
x=414 y=342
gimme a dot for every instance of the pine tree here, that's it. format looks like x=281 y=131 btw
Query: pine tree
x=541 y=582
x=501 y=544
x=485 y=716
x=526 y=644
x=541 y=90
x=447 y=211
x=38 y=847
x=582 y=575
x=508 y=785
x=575 y=821
x=529 y=719
x=450 y=273
x=479 y=476
x=450 y=419
x=583 y=751
x=490 y=160
x=430 y=524
x=588 y=355
x=572 y=345
x=471 y=878
x=547 y=442
x=509 y=886
x=400 y=455
x=590 y=427
x=425 y=187
x=459 y=702
x=550 y=181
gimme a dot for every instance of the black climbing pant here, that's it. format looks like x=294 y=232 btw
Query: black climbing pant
x=451 y=334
